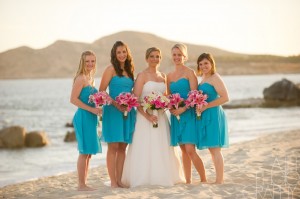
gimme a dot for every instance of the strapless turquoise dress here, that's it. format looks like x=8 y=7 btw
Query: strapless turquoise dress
x=184 y=130
x=212 y=128
x=114 y=127
x=85 y=125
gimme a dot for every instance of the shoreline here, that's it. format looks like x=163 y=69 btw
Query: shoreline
x=97 y=161
x=265 y=167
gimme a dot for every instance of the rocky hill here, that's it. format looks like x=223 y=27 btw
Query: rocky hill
x=61 y=58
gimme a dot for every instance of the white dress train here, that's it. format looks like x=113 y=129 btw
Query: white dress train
x=150 y=159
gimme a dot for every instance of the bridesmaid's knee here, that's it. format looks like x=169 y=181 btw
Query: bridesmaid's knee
x=114 y=147
x=190 y=148
x=215 y=151
x=121 y=150
x=122 y=147
x=191 y=153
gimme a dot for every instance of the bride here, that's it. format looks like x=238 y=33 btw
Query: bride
x=150 y=159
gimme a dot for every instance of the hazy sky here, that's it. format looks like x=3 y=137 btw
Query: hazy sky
x=245 y=26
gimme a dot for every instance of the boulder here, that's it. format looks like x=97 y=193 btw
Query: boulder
x=69 y=124
x=282 y=93
x=36 y=139
x=244 y=103
x=70 y=137
x=12 y=137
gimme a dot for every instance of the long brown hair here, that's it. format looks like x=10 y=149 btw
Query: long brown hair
x=81 y=67
x=128 y=67
x=210 y=58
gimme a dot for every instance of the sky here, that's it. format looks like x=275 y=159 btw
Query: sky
x=242 y=26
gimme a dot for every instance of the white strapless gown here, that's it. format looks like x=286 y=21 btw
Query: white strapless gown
x=150 y=159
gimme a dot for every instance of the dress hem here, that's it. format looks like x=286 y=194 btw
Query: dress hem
x=86 y=153
x=182 y=143
x=215 y=146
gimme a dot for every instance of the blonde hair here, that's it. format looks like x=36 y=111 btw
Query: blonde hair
x=210 y=58
x=183 y=49
x=150 y=50
x=82 y=69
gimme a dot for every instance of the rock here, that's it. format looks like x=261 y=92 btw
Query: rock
x=36 y=139
x=12 y=137
x=70 y=137
x=244 y=103
x=69 y=124
x=282 y=93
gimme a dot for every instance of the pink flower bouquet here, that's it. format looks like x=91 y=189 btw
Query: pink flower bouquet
x=175 y=102
x=196 y=99
x=155 y=101
x=99 y=99
x=128 y=100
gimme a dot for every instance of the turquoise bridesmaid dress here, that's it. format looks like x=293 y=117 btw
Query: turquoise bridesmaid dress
x=114 y=127
x=85 y=125
x=184 y=130
x=212 y=127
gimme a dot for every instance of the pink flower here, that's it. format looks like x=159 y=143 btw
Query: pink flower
x=128 y=100
x=99 y=99
x=155 y=101
x=196 y=99
x=176 y=101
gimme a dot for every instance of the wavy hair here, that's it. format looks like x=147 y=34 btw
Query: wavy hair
x=81 y=67
x=128 y=67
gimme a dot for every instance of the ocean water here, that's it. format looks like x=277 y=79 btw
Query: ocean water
x=43 y=104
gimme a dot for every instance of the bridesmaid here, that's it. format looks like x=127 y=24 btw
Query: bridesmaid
x=116 y=130
x=212 y=127
x=183 y=132
x=85 y=119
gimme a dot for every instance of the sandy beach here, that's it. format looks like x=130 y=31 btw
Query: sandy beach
x=268 y=167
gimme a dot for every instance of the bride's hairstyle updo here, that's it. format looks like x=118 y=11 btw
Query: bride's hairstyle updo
x=150 y=50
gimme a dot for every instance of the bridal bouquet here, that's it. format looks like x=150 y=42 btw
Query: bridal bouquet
x=196 y=99
x=175 y=102
x=155 y=101
x=128 y=100
x=99 y=99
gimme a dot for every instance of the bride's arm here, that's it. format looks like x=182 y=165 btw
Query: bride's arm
x=137 y=91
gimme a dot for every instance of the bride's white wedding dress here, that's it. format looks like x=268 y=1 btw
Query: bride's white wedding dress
x=150 y=159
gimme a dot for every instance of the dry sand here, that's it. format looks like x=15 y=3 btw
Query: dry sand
x=268 y=167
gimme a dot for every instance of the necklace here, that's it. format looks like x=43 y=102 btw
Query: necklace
x=89 y=78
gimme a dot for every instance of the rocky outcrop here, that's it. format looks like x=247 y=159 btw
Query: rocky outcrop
x=69 y=124
x=282 y=93
x=12 y=137
x=16 y=137
x=36 y=139
x=244 y=103
x=70 y=137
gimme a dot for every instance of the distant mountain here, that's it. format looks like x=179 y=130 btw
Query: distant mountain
x=61 y=58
